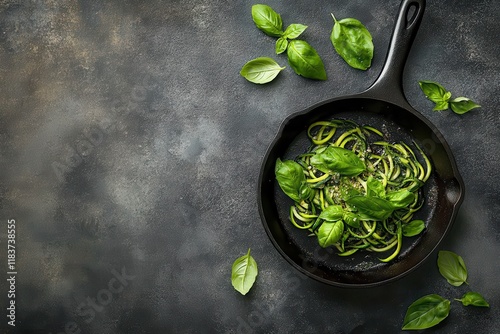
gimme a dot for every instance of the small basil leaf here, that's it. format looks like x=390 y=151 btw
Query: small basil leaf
x=332 y=213
x=352 y=219
x=461 y=105
x=400 y=198
x=436 y=93
x=267 y=20
x=452 y=267
x=294 y=30
x=426 y=312
x=261 y=70
x=243 y=273
x=305 y=61
x=353 y=42
x=374 y=187
x=290 y=177
x=474 y=299
x=329 y=233
x=305 y=191
x=281 y=45
x=374 y=208
x=338 y=160
x=413 y=228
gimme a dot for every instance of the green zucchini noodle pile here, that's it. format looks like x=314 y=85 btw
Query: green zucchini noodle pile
x=368 y=205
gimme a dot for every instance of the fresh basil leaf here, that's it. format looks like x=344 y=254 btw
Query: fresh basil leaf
x=261 y=70
x=338 y=160
x=353 y=42
x=243 y=273
x=413 y=228
x=290 y=177
x=374 y=187
x=305 y=191
x=400 y=198
x=332 y=213
x=436 y=93
x=374 y=208
x=461 y=105
x=452 y=267
x=352 y=219
x=474 y=299
x=294 y=30
x=426 y=312
x=281 y=45
x=304 y=60
x=330 y=232
x=267 y=20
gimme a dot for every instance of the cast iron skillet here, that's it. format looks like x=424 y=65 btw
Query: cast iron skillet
x=384 y=106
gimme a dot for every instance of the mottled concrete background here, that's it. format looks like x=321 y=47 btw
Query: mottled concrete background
x=130 y=149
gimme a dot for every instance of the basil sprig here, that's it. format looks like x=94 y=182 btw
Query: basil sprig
x=243 y=273
x=436 y=93
x=302 y=57
x=353 y=42
x=261 y=70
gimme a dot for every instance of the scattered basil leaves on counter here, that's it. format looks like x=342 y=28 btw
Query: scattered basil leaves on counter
x=267 y=20
x=426 y=312
x=261 y=70
x=353 y=42
x=474 y=299
x=413 y=228
x=243 y=273
x=436 y=93
x=452 y=267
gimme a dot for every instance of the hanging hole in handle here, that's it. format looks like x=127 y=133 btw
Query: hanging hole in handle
x=411 y=14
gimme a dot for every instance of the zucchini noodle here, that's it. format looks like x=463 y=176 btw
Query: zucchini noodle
x=396 y=166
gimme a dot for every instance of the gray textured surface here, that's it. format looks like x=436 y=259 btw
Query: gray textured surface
x=129 y=142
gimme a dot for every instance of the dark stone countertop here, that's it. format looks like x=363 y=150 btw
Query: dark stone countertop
x=130 y=151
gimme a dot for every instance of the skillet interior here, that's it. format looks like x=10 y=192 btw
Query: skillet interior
x=442 y=193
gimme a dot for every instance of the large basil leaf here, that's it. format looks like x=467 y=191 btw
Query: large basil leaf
x=329 y=233
x=436 y=93
x=400 y=198
x=243 y=273
x=353 y=42
x=267 y=20
x=261 y=70
x=304 y=60
x=338 y=160
x=290 y=177
x=461 y=105
x=374 y=208
x=426 y=312
x=375 y=187
x=332 y=213
x=413 y=228
x=452 y=267
x=474 y=299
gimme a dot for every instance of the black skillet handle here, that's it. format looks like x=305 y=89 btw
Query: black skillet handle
x=390 y=79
